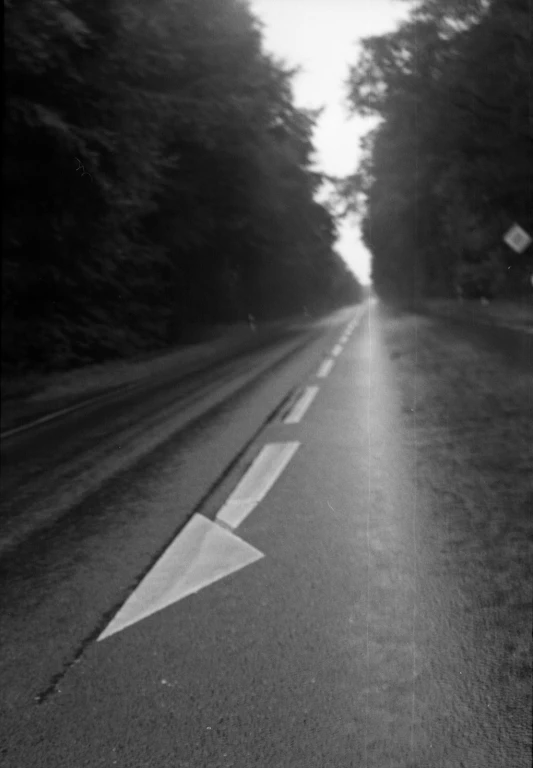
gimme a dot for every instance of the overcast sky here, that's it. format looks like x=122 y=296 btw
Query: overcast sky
x=321 y=36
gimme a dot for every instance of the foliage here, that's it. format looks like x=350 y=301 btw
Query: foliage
x=449 y=166
x=157 y=174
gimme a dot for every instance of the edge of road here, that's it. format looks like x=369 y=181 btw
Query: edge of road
x=28 y=413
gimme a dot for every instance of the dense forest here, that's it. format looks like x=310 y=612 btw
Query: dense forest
x=157 y=175
x=449 y=166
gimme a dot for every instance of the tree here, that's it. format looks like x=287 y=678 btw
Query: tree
x=463 y=64
x=158 y=175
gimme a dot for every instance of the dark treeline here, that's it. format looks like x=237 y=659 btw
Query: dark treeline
x=449 y=166
x=157 y=175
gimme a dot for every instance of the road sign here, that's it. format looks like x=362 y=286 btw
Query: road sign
x=517 y=238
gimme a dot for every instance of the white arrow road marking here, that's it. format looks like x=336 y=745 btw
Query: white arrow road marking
x=257 y=481
x=337 y=349
x=325 y=368
x=301 y=406
x=201 y=554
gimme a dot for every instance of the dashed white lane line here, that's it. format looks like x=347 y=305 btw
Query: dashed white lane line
x=355 y=321
x=201 y=554
x=301 y=405
x=206 y=551
x=325 y=368
x=257 y=481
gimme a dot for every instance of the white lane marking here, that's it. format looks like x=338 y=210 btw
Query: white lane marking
x=337 y=349
x=325 y=368
x=301 y=405
x=257 y=481
x=201 y=554
x=355 y=321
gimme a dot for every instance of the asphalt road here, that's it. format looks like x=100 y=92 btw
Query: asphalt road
x=280 y=562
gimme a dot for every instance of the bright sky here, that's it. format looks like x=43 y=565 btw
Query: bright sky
x=321 y=36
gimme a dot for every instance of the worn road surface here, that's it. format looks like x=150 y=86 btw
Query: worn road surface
x=319 y=554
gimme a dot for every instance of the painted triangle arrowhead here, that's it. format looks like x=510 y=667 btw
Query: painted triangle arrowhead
x=201 y=554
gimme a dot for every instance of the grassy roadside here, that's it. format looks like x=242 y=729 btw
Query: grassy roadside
x=517 y=315
x=88 y=379
x=470 y=425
